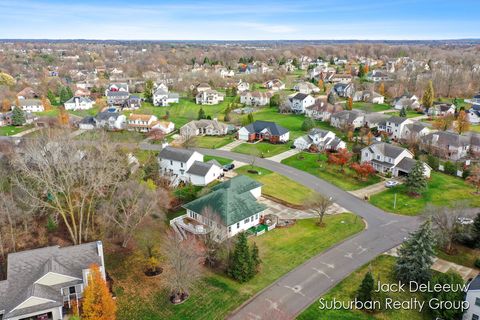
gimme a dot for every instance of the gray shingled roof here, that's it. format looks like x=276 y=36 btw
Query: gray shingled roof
x=117 y=94
x=26 y=267
x=176 y=154
x=273 y=128
x=475 y=283
x=406 y=164
x=396 y=120
x=199 y=168
x=387 y=149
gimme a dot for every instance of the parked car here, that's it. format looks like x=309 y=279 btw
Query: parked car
x=228 y=167
x=391 y=183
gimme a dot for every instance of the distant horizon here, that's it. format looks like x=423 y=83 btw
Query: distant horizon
x=247 y=20
x=238 y=40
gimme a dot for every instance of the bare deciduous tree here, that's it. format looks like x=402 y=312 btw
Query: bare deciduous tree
x=320 y=205
x=212 y=240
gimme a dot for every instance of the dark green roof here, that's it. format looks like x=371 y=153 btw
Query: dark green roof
x=231 y=200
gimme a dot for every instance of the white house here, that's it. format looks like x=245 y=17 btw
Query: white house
x=141 y=122
x=110 y=120
x=306 y=87
x=243 y=86
x=473 y=299
x=165 y=126
x=231 y=207
x=44 y=283
x=394 y=126
x=406 y=101
x=204 y=127
x=318 y=140
x=30 y=105
x=322 y=110
x=441 y=109
x=474 y=114
x=162 y=97
x=414 y=131
x=78 y=103
x=300 y=101
x=368 y=96
x=352 y=118
x=274 y=85
x=187 y=166
x=255 y=98
x=209 y=97
x=385 y=157
x=377 y=76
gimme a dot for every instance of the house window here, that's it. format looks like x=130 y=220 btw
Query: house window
x=171 y=162
x=71 y=290
x=477 y=302
x=474 y=317
x=378 y=157
x=182 y=171
x=238 y=225
x=256 y=216
x=229 y=228
x=246 y=221
x=181 y=164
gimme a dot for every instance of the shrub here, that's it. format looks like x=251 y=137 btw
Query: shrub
x=477 y=263
x=433 y=162
x=450 y=168
x=51 y=224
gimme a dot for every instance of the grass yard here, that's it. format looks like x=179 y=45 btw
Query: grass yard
x=381 y=268
x=475 y=128
x=443 y=190
x=212 y=142
x=215 y=295
x=410 y=114
x=464 y=256
x=115 y=136
x=262 y=149
x=371 y=107
x=11 y=130
x=278 y=186
x=221 y=160
x=317 y=165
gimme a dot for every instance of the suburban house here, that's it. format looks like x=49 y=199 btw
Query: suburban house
x=265 y=131
x=473 y=297
x=141 y=122
x=30 y=105
x=202 y=87
x=300 y=101
x=394 y=126
x=78 y=103
x=256 y=98
x=187 y=166
x=204 y=127
x=165 y=126
x=117 y=87
x=274 y=85
x=319 y=140
x=475 y=144
x=43 y=283
x=306 y=88
x=117 y=98
x=162 y=97
x=414 y=131
x=110 y=120
x=243 y=86
x=377 y=76
x=446 y=144
x=407 y=102
x=348 y=118
x=374 y=119
x=209 y=97
x=368 y=96
x=475 y=101
x=27 y=93
x=440 y=109
x=474 y=114
x=322 y=110
x=385 y=157
x=341 y=77
x=231 y=207
x=344 y=90
x=81 y=92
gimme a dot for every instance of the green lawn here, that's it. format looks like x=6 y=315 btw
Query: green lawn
x=215 y=296
x=212 y=142
x=443 y=190
x=116 y=136
x=371 y=107
x=222 y=161
x=80 y=113
x=381 y=268
x=262 y=149
x=278 y=186
x=318 y=166
x=463 y=256
x=475 y=128
x=410 y=114
x=11 y=130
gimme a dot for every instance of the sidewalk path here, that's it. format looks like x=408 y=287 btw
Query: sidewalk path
x=370 y=190
x=284 y=155
x=231 y=145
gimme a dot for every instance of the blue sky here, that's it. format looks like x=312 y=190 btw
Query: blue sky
x=240 y=20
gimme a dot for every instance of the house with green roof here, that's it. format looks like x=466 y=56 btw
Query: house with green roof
x=232 y=206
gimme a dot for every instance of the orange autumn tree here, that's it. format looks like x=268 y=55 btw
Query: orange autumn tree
x=63 y=117
x=340 y=158
x=98 y=303
x=363 y=170
x=47 y=106
x=381 y=89
x=350 y=103
x=6 y=105
x=463 y=123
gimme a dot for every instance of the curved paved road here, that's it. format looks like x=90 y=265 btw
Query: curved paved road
x=296 y=290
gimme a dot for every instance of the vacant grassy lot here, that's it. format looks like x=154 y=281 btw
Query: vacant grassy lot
x=371 y=107
x=317 y=165
x=463 y=256
x=381 y=268
x=443 y=190
x=278 y=186
x=281 y=250
x=212 y=142
x=116 y=136
x=262 y=149
x=11 y=130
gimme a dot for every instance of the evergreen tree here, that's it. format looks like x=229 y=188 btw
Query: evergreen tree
x=51 y=97
x=364 y=292
x=69 y=93
x=240 y=264
x=308 y=124
x=275 y=100
x=250 y=118
x=18 y=117
x=403 y=112
x=331 y=97
x=148 y=92
x=201 y=114
x=428 y=96
x=416 y=181
x=361 y=71
x=416 y=256
x=63 y=95
x=255 y=259
x=450 y=278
